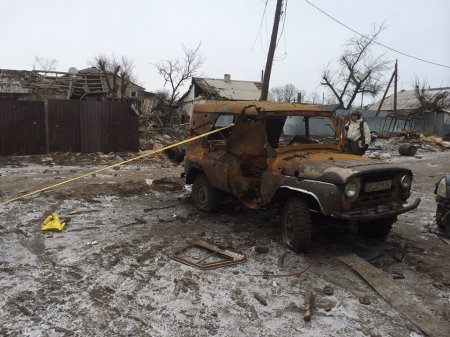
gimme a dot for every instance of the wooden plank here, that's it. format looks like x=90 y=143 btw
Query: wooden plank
x=391 y=292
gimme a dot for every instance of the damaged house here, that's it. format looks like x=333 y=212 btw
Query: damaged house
x=429 y=115
x=206 y=89
x=89 y=83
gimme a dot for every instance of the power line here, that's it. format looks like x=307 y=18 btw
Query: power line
x=282 y=35
x=378 y=43
x=260 y=25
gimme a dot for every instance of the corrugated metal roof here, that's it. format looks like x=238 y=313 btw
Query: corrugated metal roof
x=406 y=100
x=232 y=90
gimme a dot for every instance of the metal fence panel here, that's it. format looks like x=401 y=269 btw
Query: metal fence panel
x=64 y=125
x=22 y=127
x=108 y=127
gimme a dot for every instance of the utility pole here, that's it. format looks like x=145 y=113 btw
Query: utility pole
x=395 y=86
x=394 y=75
x=271 y=53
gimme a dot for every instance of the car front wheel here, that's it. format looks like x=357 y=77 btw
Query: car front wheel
x=297 y=226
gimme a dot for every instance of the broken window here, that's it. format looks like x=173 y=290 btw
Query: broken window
x=297 y=130
x=221 y=121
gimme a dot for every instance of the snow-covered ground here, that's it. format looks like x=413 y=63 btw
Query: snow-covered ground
x=108 y=273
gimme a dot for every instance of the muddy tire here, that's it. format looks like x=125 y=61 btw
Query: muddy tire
x=439 y=214
x=297 y=225
x=205 y=197
x=377 y=229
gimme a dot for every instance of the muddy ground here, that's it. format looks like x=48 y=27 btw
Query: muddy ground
x=108 y=273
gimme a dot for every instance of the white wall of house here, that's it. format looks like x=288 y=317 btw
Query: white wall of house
x=187 y=106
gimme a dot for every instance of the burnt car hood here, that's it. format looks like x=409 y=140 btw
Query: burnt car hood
x=334 y=168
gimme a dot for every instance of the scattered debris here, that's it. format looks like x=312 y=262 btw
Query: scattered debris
x=327 y=290
x=324 y=303
x=260 y=298
x=52 y=223
x=391 y=292
x=397 y=276
x=281 y=275
x=140 y=221
x=166 y=185
x=215 y=257
x=309 y=304
x=91 y=243
x=175 y=154
x=364 y=299
x=407 y=150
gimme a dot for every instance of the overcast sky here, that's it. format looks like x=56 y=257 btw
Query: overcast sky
x=73 y=32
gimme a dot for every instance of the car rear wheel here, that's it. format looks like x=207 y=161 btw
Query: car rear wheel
x=377 y=229
x=297 y=225
x=206 y=198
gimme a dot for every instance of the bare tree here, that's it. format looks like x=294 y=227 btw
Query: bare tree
x=162 y=95
x=314 y=98
x=44 y=65
x=430 y=100
x=330 y=99
x=359 y=72
x=118 y=73
x=285 y=93
x=176 y=72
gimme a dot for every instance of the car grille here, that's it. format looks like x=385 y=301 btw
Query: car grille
x=377 y=181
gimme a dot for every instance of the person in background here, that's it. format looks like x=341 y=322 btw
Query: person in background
x=357 y=134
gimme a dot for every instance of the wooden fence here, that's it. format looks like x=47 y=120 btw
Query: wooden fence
x=28 y=127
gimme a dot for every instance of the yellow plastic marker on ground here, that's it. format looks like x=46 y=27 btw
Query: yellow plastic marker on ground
x=114 y=165
x=52 y=223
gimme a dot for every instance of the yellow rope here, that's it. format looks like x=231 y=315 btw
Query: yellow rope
x=115 y=165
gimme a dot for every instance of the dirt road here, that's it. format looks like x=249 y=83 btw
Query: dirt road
x=108 y=273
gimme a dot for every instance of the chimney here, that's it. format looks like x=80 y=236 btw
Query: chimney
x=227 y=78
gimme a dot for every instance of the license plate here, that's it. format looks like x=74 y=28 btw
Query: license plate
x=378 y=186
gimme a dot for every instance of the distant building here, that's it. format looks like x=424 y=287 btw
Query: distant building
x=407 y=101
x=206 y=89
x=408 y=115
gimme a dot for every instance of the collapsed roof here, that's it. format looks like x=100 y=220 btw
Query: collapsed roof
x=408 y=102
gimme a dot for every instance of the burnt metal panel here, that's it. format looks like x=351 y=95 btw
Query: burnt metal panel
x=254 y=108
x=22 y=127
x=64 y=125
x=108 y=127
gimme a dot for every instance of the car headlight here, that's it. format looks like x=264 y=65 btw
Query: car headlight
x=351 y=190
x=405 y=182
x=442 y=188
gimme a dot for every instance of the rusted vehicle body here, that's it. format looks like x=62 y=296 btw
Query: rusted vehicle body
x=291 y=155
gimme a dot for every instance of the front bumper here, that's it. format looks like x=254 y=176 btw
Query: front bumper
x=371 y=215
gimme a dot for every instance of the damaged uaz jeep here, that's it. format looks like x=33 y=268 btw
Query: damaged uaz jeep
x=291 y=155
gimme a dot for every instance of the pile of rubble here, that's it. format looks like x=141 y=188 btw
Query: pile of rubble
x=406 y=145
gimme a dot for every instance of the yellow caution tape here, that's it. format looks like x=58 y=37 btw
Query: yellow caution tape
x=115 y=165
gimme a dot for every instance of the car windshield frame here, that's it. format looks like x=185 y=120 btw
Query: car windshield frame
x=292 y=130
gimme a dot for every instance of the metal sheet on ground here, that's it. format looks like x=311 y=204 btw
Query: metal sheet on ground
x=391 y=292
